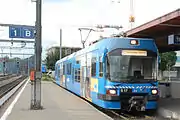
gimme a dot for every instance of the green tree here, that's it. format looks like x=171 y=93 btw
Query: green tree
x=52 y=58
x=168 y=59
x=14 y=59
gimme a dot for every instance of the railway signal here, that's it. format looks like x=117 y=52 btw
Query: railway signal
x=17 y=63
x=4 y=66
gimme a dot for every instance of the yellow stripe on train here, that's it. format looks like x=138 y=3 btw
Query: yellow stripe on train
x=94 y=85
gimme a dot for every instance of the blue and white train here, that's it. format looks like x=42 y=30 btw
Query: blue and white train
x=113 y=73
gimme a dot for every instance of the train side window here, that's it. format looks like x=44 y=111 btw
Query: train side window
x=77 y=62
x=70 y=66
x=77 y=75
x=67 y=70
x=100 y=69
x=93 y=66
x=56 y=70
x=63 y=69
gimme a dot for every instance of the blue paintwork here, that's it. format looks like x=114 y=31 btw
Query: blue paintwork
x=178 y=59
x=98 y=49
x=43 y=69
x=151 y=105
x=17 y=31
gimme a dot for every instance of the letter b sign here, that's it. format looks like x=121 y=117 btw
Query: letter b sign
x=28 y=33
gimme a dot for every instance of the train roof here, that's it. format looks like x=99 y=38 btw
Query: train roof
x=113 y=43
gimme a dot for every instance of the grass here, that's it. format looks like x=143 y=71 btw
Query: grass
x=46 y=77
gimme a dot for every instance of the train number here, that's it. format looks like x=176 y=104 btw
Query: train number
x=126 y=90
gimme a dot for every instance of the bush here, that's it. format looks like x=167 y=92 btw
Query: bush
x=46 y=77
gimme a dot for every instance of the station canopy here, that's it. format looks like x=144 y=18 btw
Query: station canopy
x=160 y=29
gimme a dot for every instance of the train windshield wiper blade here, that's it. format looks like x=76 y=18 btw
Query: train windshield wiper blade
x=145 y=81
x=152 y=82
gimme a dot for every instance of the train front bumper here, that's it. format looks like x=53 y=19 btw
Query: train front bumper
x=125 y=101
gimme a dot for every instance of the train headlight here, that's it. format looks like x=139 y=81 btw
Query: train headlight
x=134 y=42
x=154 y=91
x=111 y=92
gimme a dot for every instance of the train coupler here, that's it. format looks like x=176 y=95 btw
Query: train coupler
x=137 y=102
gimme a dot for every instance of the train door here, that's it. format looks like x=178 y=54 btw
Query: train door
x=73 y=74
x=83 y=75
x=83 y=82
x=61 y=73
x=101 y=71
x=64 y=75
x=88 y=76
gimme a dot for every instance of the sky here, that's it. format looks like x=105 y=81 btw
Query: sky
x=69 y=15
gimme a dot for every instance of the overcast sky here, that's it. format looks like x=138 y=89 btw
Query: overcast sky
x=71 y=14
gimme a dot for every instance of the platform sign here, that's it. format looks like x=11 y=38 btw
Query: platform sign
x=27 y=32
x=174 y=39
x=177 y=39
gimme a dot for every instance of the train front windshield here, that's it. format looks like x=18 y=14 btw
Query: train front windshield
x=124 y=67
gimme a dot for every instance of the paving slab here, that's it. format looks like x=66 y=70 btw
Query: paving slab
x=58 y=104
x=169 y=108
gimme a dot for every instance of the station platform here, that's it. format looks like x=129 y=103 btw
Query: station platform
x=57 y=103
x=169 y=108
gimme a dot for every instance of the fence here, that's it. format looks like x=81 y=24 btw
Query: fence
x=12 y=67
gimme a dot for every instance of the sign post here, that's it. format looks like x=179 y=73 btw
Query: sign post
x=38 y=50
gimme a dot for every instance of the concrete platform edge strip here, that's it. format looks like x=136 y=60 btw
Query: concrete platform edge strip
x=9 y=94
x=168 y=114
x=9 y=109
x=90 y=105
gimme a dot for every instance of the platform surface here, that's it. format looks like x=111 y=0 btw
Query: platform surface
x=58 y=104
x=169 y=108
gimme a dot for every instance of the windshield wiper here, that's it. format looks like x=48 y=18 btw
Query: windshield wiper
x=136 y=81
x=146 y=81
x=152 y=82
x=118 y=84
x=123 y=81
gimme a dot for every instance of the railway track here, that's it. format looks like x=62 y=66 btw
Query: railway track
x=123 y=115
x=120 y=115
x=131 y=116
x=7 y=87
x=2 y=77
